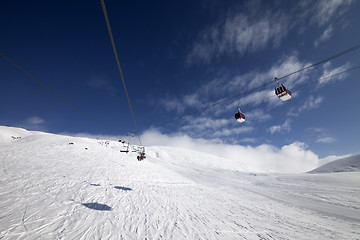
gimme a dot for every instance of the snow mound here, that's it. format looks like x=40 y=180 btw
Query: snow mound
x=348 y=164
x=9 y=134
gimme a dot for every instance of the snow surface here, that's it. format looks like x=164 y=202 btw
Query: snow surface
x=348 y=164
x=51 y=189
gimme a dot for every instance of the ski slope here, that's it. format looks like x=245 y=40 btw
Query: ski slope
x=348 y=164
x=51 y=189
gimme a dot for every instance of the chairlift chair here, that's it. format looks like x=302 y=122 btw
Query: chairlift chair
x=282 y=92
x=134 y=149
x=125 y=148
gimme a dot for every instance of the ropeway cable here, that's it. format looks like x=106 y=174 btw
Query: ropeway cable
x=56 y=94
x=323 y=61
x=118 y=65
x=309 y=83
x=268 y=83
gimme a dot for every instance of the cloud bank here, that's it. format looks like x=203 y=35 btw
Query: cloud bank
x=292 y=158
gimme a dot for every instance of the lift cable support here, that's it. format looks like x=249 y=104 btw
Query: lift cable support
x=56 y=94
x=118 y=65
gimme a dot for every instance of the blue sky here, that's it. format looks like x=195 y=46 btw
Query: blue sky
x=179 y=57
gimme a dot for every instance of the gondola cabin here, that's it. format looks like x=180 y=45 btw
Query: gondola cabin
x=282 y=92
x=239 y=116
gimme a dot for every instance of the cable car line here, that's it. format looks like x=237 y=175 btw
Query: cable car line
x=333 y=75
x=250 y=90
x=323 y=61
x=240 y=117
x=214 y=104
x=98 y=124
x=268 y=83
x=217 y=103
x=118 y=65
x=56 y=94
x=309 y=83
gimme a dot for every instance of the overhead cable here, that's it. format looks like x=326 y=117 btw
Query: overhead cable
x=56 y=94
x=323 y=61
x=311 y=82
x=118 y=65
x=253 y=89
x=268 y=83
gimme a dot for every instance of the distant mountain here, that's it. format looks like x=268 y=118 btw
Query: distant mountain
x=348 y=164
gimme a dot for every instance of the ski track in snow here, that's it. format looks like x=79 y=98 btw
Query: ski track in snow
x=53 y=190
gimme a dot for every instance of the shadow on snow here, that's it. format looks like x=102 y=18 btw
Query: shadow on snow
x=123 y=188
x=97 y=206
x=95 y=184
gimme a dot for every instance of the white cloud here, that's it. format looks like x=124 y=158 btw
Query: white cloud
x=225 y=86
x=325 y=36
x=326 y=140
x=178 y=105
x=238 y=33
x=280 y=68
x=34 y=123
x=225 y=132
x=211 y=123
x=192 y=100
x=329 y=71
x=202 y=124
x=327 y=9
x=321 y=135
x=255 y=98
x=242 y=32
x=172 y=104
x=258 y=115
x=35 y=120
x=310 y=103
x=215 y=128
x=281 y=128
x=247 y=140
x=292 y=158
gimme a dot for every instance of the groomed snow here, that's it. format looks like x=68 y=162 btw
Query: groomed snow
x=348 y=164
x=51 y=189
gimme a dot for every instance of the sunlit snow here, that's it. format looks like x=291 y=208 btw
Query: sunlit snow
x=61 y=187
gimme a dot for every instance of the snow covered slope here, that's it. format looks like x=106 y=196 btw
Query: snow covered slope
x=61 y=187
x=8 y=134
x=348 y=164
